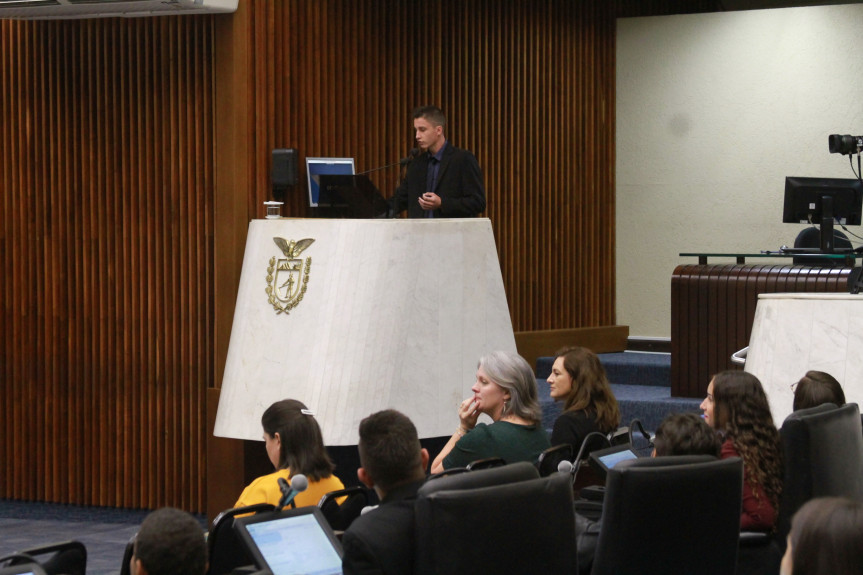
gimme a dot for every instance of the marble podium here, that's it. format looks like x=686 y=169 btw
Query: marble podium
x=354 y=316
x=797 y=332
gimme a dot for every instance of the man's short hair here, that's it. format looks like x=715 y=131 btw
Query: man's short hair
x=171 y=542
x=431 y=113
x=390 y=450
x=686 y=434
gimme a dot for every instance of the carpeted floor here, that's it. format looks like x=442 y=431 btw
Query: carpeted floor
x=103 y=531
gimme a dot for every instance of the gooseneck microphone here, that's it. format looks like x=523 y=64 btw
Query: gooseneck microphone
x=298 y=484
x=403 y=162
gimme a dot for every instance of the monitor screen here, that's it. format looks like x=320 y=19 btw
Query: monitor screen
x=805 y=200
x=315 y=167
x=291 y=541
x=605 y=459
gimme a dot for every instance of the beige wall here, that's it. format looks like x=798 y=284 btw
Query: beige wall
x=713 y=111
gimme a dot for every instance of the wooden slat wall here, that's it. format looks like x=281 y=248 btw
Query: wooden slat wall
x=128 y=145
x=527 y=86
x=106 y=252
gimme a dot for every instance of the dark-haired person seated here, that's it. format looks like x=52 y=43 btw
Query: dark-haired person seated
x=685 y=434
x=825 y=538
x=295 y=446
x=579 y=381
x=393 y=464
x=170 y=542
x=505 y=390
x=816 y=388
x=736 y=406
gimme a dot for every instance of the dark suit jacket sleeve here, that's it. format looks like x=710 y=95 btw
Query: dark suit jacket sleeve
x=357 y=558
x=461 y=190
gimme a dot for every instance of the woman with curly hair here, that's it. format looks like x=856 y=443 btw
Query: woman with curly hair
x=578 y=379
x=736 y=406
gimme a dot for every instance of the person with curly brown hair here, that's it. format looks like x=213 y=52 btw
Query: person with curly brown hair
x=737 y=407
x=579 y=381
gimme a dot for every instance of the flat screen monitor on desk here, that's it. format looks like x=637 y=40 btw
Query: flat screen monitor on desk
x=317 y=167
x=823 y=201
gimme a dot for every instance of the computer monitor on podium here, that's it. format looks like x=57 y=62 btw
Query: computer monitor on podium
x=823 y=201
x=317 y=167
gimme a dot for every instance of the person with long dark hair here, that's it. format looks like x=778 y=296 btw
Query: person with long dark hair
x=736 y=406
x=295 y=446
x=825 y=538
x=579 y=381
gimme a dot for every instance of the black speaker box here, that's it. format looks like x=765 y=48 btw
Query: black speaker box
x=284 y=172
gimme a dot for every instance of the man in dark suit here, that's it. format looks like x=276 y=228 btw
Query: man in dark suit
x=442 y=181
x=381 y=541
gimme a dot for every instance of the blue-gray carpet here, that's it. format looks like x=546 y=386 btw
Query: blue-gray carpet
x=103 y=531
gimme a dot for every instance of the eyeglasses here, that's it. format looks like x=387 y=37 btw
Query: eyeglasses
x=794 y=385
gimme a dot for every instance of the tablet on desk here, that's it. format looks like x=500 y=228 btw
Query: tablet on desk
x=291 y=541
x=604 y=459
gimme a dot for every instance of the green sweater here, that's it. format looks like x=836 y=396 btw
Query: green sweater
x=509 y=441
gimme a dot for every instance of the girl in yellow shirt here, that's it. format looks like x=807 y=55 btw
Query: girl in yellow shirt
x=294 y=445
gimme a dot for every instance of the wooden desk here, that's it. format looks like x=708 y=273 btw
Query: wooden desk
x=712 y=309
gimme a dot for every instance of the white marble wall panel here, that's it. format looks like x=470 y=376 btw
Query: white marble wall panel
x=396 y=314
x=797 y=332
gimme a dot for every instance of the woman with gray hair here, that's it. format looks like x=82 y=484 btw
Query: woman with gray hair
x=505 y=390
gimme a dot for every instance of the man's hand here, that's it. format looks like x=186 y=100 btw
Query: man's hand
x=429 y=201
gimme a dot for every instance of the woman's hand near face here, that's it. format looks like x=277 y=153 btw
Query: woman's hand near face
x=468 y=413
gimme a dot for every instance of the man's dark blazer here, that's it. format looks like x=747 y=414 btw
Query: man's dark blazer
x=381 y=542
x=459 y=185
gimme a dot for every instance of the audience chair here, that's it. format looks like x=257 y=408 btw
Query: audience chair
x=520 y=526
x=552 y=457
x=125 y=566
x=486 y=463
x=670 y=515
x=823 y=451
x=66 y=558
x=447 y=473
x=225 y=550
x=521 y=471
x=23 y=565
x=340 y=516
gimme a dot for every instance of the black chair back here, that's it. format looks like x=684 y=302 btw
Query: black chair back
x=552 y=457
x=340 y=516
x=521 y=527
x=226 y=551
x=66 y=558
x=17 y=564
x=670 y=515
x=125 y=566
x=520 y=471
x=486 y=463
x=823 y=451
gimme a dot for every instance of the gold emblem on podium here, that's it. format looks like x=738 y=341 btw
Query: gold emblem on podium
x=288 y=277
